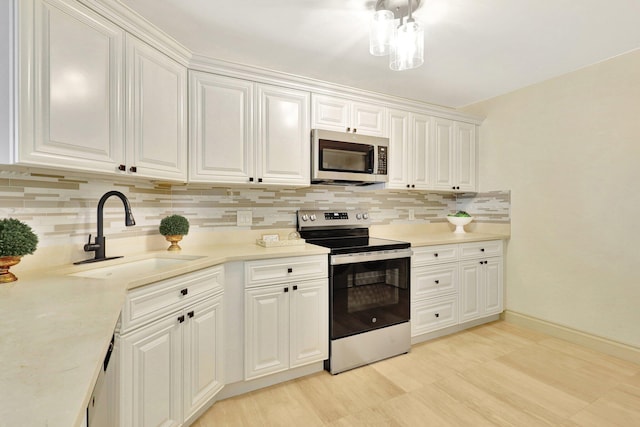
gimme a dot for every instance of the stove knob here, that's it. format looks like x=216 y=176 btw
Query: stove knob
x=365 y=215
x=305 y=217
x=358 y=216
x=313 y=217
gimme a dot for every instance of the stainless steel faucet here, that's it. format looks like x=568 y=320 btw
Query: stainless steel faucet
x=98 y=246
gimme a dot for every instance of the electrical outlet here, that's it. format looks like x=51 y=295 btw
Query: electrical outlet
x=412 y=214
x=245 y=218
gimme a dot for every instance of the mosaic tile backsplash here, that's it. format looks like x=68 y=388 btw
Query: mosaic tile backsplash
x=61 y=209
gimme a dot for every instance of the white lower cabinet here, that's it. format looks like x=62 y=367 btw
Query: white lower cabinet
x=433 y=314
x=453 y=284
x=434 y=289
x=172 y=365
x=286 y=323
x=151 y=375
x=481 y=283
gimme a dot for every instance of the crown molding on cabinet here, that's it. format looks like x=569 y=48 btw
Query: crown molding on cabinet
x=136 y=25
x=278 y=78
x=133 y=23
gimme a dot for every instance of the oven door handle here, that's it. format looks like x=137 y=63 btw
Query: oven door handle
x=369 y=256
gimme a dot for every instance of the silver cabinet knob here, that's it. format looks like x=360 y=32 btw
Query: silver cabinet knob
x=358 y=216
x=313 y=217
x=305 y=217
x=365 y=215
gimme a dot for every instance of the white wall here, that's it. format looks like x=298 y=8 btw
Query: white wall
x=569 y=150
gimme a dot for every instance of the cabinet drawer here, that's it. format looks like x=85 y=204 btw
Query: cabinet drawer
x=426 y=255
x=481 y=249
x=434 y=280
x=285 y=270
x=433 y=314
x=150 y=302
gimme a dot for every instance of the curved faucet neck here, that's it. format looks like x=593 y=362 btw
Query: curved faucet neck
x=129 y=221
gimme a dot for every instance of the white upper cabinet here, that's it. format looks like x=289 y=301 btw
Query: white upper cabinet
x=243 y=132
x=454 y=156
x=399 y=141
x=343 y=115
x=466 y=151
x=74 y=84
x=409 y=138
x=71 y=87
x=157 y=113
x=221 y=128
x=284 y=137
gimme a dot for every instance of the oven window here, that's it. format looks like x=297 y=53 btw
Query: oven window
x=369 y=295
x=346 y=157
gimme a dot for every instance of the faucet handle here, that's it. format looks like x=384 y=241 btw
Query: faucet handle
x=90 y=247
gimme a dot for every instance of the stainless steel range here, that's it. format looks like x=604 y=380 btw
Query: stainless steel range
x=369 y=288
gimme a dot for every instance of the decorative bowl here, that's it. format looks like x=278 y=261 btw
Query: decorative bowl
x=459 y=222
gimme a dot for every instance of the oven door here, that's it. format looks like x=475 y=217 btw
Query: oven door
x=368 y=291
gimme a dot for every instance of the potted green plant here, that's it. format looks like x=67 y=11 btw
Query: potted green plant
x=459 y=219
x=173 y=227
x=16 y=240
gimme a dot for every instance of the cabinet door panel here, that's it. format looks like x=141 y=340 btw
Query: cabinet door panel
x=470 y=290
x=331 y=113
x=368 y=119
x=433 y=314
x=284 y=136
x=309 y=322
x=203 y=376
x=399 y=140
x=434 y=280
x=156 y=122
x=443 y=154
x=493 y=286
x=221 y=129
x=151 y=375
x=74 y=91
x=466 y=156
x=266 y=331
x=421 y=135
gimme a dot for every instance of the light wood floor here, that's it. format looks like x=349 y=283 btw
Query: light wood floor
x=497 y=374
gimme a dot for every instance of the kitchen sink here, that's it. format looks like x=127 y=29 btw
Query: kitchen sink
x=136 y=268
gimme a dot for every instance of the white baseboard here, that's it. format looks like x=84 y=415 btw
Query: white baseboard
x=593 y=342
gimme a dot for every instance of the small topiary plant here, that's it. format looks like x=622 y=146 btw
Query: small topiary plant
x=16 y=238
x=174 y=225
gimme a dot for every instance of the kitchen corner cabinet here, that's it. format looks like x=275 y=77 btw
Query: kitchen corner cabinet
x=409 y=142
x=286 y=314
x=171 y=349
x=454 y=152
x=343 y=115
x=247 y=133
x=78 y=72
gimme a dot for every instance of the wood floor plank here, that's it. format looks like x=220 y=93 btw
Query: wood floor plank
x=581 y=378
x=498 y=411
x=498 y=374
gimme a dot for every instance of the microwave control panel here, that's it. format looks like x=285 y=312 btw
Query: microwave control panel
x=382 y=160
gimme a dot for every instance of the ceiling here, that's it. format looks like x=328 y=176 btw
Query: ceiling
x=474 y=49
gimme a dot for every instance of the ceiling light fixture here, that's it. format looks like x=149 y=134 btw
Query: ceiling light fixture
x=394 y=32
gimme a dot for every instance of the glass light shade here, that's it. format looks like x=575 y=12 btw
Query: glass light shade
x=407 y=49
x=381 y=33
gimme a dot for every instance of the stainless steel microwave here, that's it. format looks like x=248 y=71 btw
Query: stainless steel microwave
x=348 y=158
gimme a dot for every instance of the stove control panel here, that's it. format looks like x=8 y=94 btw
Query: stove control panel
x=342 y=218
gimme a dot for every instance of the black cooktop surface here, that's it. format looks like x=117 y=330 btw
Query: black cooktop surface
x=346 y=245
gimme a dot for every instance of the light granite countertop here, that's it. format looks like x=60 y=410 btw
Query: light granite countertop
x=55 y=328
